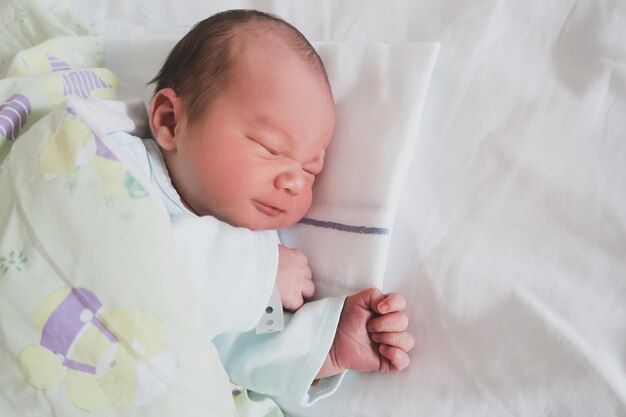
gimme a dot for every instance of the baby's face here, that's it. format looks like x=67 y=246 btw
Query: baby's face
x=251 y=160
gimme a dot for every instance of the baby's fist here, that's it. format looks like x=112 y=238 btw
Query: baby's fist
x=293 y=278
x=371 y=336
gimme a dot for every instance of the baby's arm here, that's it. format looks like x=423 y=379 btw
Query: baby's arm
x=285 y=364
x=232 y=270
x=371 y=335
x=293 y=278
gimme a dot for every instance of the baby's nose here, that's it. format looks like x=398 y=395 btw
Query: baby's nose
x=292 y=181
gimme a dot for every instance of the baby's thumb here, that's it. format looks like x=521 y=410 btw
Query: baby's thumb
x=370 y=299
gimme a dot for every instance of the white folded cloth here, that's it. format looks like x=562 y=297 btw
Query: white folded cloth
x=379 y=91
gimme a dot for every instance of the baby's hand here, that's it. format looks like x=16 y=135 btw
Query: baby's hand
x=371 y=335
x=293 y=278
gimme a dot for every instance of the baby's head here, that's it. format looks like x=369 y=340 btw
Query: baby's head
x=243 y=113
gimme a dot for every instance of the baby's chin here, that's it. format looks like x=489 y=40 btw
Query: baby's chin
x=271 y=224
x=261 y=221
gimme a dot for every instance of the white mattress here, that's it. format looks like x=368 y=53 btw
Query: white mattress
x=510 y=239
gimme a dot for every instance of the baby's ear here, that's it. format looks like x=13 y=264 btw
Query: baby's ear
x=165 y=112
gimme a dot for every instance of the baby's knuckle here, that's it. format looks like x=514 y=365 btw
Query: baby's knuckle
x=383 y=323
x=374 y=292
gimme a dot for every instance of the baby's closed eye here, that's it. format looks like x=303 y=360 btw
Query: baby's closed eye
x=270 y=150
x=263 y=147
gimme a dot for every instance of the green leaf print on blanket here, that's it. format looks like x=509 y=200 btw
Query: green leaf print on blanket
x=13 y=261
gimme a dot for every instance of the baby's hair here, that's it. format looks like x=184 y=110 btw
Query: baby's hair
x=197 y=67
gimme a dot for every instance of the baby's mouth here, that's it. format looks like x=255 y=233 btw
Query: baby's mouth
x=268 y=209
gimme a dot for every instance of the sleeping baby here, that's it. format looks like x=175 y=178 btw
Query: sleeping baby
x=241 y=117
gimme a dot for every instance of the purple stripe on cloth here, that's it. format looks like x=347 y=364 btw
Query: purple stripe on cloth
x=56 y=64
x=93 y=80
x=77 y=79
x=82 y=83
x=23 y=101
x=362 y=230
x=101 y=84
x=77 y=366
x=68 y=85
x=8 y=126
x=96 y=322
x=102 y=150
x=13 y=115
x=86 y=81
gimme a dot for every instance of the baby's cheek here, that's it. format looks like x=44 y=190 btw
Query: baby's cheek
x=303 y=205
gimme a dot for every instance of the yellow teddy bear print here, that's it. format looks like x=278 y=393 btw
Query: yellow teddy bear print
x=108 y=357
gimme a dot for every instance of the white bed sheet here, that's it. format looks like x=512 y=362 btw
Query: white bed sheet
x=510 y=239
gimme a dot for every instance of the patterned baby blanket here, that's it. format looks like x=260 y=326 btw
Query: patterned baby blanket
x=96 y=313
x=97 y=316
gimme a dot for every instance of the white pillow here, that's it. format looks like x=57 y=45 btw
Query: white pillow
x=379 y=91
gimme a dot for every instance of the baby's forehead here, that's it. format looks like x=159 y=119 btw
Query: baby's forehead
x=256 y=29
x=271 y=37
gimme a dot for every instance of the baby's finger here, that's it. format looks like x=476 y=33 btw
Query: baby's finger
x=401 y=340
x=392 y=302
x=398 y=359
x=392 y=322
x=305 y=271
x=293 y=304
x=308 y=288
x=301 y=257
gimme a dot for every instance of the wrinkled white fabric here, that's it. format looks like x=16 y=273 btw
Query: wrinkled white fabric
x=509 y=236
